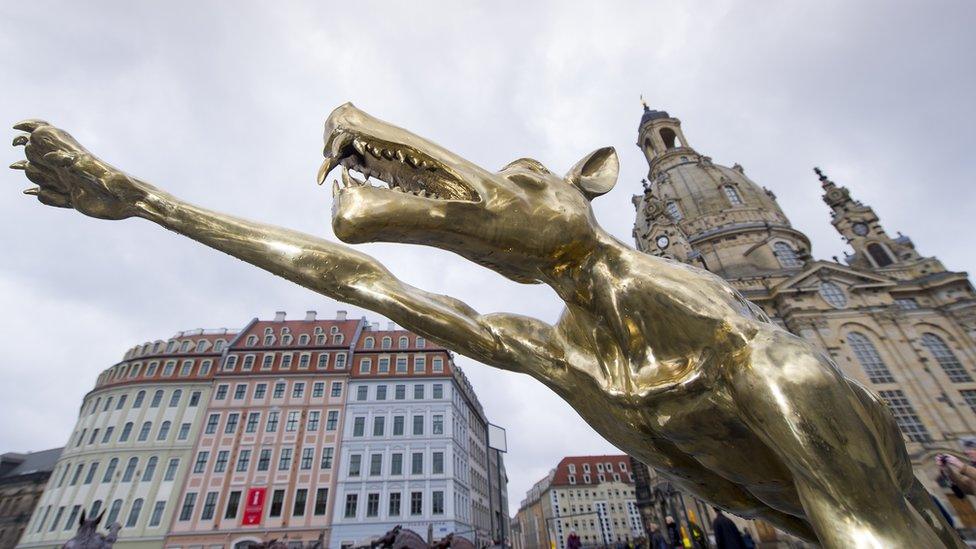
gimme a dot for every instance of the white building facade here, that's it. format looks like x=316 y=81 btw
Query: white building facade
x=406 y=453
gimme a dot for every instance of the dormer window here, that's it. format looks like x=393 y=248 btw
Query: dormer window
x=674 y=212
x=786 y=255
x=732 y=194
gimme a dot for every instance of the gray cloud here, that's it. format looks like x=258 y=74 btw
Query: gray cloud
x=224 y=105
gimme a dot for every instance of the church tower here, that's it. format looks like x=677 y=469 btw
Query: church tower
x=706 y=214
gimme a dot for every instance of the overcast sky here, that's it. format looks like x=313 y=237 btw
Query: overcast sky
x=223 y=104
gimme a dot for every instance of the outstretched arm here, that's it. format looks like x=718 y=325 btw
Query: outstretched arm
x=70 y=177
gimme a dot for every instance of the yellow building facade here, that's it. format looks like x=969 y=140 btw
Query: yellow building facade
x=896 y=321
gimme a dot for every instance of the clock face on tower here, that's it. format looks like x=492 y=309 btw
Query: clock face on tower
x=860 y=229
x=663 y=241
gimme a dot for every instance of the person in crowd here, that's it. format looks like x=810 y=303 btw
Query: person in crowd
x=573 y=541
x=657 y=541
x=674 y=533
x=727 y=534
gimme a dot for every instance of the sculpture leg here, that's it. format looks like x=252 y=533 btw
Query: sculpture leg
x=805 y=412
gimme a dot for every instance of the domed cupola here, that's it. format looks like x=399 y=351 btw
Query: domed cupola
x=734 y=226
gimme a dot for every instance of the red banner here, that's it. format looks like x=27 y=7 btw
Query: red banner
x=254 y=506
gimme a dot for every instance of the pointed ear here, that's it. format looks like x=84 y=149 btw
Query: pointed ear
x=81 y=521
x=98 y=519
x=596 y=173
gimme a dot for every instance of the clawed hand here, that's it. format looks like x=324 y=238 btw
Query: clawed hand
x=68 y=176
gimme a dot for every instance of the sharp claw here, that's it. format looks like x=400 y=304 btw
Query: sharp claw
x=60 y=158
x=19 y=165
x=33 y=191
x=30 y=125
x=20 y=140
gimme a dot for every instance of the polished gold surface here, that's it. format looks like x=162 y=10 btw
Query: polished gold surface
x=666 y=361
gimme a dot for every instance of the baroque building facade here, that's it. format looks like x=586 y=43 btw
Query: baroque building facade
x=592 y=496
x=22 y=481
x=896 y=321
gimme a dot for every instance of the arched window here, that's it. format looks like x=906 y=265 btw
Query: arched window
x=421 y=342
x=134 y=513
x=251 y=341
x=732 y=195
x=832 y=294
x=946 y=358
x=163 y=431
x=402 y=342
x=130 y=469
x=110 y=470
x=387 y=342
x=219 y=345
x=670 y=138
x=170 y=347
x=174 y=400
x=95 y=508
x=144 y=432
x=185 y=348
x=201 y=345
x=869 y=358
x=303 y=339
x=337 y=338
x=140 y=396
x=113 y=513
x=147 y=475
x=674 y=212
x=156 y=399
x=126 y=431
x=334 y=330
x=786 y=255
x=879 y=255
x=368 y=342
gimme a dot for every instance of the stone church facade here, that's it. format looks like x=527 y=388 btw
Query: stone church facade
x=894 y=320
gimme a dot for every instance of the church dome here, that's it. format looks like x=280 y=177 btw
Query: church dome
x=733 y=225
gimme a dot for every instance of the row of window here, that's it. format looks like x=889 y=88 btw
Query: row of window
x=419 y=365
x=731 y=193
x=131 y=521
x=278 y=390
x=157 y=400
x=394 y=504
x=270 y=339
x=185 y=346
x=379 y=425
x=129 y=474
x=287 y=359
x=292 y=420
x=403 y=342
x=264 y=459
x=299 y=505
x=375 y=465
x=169 y=368
x=877 y=371
x=400 y=392
x=600 y=467
x=144 y=435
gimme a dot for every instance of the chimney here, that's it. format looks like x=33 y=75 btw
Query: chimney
x=391 y=326
x=340 y=315
x=279 y=316
x=310 y=315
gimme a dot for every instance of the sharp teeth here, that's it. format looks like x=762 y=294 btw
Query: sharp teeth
x=413 y=161
x=423 y=192
x=359 y=146
x=350 y=181
x=401 y=156
x=388 y=154
x=335 y=188
x=375 y=151
x=325 y=168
